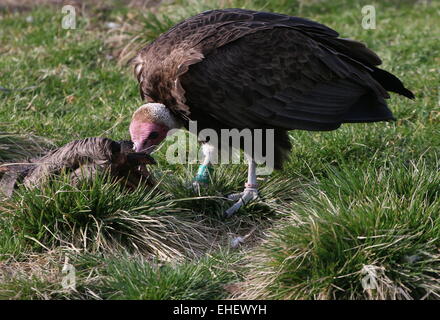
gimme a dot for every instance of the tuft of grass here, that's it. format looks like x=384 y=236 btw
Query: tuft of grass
x=122 y=276
x=136 y=278
x=23 y=287
x=100 y=215
x=14 y=147
x=171 y=221
x=32 y=276
x=210 y=200
x=377 y=226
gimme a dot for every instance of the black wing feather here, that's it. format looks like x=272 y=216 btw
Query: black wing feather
x=278 y=78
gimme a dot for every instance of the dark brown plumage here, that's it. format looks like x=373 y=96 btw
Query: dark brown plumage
x=237 y=68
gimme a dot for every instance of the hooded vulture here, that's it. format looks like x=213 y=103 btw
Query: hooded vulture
x=243 y=69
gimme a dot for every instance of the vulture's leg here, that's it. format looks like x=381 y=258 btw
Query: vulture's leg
x=250 y=192
x=205 y=168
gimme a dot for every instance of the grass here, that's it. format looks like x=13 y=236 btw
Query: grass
x=101 y=215
x=14 y=147
x=206 y=278
x=386 y=220
x=362 y=198
x=122 y=277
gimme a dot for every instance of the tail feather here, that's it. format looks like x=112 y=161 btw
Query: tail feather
x=390 y=82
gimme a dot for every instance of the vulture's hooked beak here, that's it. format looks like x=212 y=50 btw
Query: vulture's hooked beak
x=145 y=150
x=140 y=158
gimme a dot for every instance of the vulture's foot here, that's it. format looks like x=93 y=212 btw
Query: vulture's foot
x=242 y=198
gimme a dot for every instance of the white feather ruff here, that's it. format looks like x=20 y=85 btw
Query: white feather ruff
x=160 y=113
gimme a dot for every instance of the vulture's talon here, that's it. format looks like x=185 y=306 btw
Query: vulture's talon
x=248 y=195
x=234 y=196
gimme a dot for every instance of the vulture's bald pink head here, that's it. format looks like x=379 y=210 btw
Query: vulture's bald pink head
x=150 y=125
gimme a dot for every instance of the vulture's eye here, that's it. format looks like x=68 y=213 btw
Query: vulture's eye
x=153 y=135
